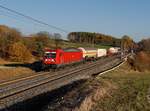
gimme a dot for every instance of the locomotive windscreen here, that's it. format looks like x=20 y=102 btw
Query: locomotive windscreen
x=50 y=55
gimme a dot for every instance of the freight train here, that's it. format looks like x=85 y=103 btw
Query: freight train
x=61 y=57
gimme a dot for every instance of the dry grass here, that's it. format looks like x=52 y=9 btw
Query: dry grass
x=140 y=62
x=9 y=73
x=98 y=93
x=13 y=73
x=120 y=90
x=2 y=61
x=131 y=92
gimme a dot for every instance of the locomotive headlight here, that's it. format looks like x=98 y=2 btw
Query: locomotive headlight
x=52 y=60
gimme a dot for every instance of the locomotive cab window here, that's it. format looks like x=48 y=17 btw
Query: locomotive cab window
x=50 y=55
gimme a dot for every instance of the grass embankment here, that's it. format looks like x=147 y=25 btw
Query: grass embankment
x=120 y=90
x=131 y=93
x=14 y=73
x=11 y=72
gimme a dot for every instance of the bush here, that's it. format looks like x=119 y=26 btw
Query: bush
x=18 y=52
x=145 y=45
x=143 y=61
x=140 y=62
x=7 y=36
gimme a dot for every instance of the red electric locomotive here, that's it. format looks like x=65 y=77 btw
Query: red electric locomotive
x=61 y=57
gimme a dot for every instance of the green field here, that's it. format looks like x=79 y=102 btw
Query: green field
x=70 y=44
x=131 y=91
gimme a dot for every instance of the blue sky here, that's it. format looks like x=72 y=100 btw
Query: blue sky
x=112 y=17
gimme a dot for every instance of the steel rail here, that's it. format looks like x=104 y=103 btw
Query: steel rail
x=29 y=77
x=26 y=86
x=43 y=75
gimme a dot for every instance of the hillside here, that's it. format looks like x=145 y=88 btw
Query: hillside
x=120 y=90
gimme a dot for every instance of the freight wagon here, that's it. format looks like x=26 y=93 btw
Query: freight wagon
x=113 y=50
x=89 y=53
x=93 y=53
x=101 y=53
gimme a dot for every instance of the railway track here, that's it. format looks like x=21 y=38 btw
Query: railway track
x=15 y=91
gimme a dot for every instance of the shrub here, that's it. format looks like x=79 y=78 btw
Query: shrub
x=19 y=52
x=140 y=62
x=143 y=61
x=7 y=36
x=145 y=44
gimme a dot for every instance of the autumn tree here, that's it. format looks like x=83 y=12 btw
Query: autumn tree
x=126 y=42
x=145 y=45
x=29 y=42
x=7 y=36
x=58 y=40
x=39 y=41
x=42 y=37
x=18 y=52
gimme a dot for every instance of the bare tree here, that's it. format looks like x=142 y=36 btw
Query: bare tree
x=58 y=40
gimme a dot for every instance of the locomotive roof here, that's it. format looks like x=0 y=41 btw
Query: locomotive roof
x=71 y=50
x=88 y=48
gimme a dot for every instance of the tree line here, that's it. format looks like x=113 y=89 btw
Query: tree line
x=98 y=38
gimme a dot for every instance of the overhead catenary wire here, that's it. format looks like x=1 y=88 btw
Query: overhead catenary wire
x=15 y=18
x=33 y=19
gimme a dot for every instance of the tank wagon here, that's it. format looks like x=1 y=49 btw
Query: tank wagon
x=89 y=53
x=101 y=53
x=93 y=53
x=113 y=50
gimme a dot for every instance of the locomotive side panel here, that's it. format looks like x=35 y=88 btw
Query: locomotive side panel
x=71 y=57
